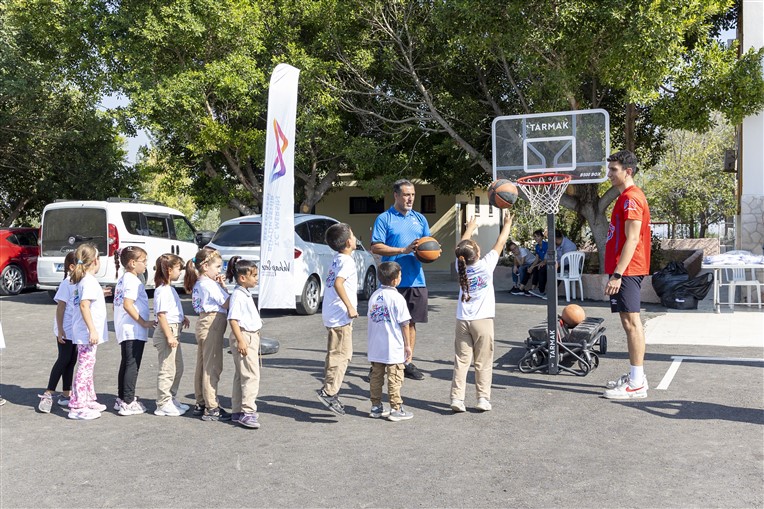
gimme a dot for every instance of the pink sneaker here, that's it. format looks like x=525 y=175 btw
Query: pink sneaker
x=95 y=405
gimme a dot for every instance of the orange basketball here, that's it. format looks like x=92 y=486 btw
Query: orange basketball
x=502 y=193
x=573 y=314
x=427 y=250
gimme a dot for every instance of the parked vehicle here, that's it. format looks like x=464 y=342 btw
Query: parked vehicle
x=18 y=259
x=312 y=257
x=111 y=225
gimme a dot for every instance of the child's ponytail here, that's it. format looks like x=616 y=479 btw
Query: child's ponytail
x=194 y=267
x=466 y=254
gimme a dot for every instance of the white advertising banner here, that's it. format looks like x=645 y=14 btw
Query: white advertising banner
x=277 y=241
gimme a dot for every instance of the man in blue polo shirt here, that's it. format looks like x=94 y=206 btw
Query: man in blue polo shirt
x=395 y=236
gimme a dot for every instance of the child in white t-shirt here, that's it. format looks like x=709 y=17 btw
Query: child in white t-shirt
x=389 y=343
x=168 y=312
x=339 y=309
x=245 y=342
x=475 y=311
x=89 y=329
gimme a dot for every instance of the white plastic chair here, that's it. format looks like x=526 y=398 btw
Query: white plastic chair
x=739 y=277
x=570 y=270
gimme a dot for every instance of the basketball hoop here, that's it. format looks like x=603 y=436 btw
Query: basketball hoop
x=544 y=191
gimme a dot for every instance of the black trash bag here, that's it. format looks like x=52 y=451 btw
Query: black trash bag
x=669 y=277
x=686 y=295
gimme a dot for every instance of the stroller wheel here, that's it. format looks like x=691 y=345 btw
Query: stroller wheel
x=603 y=345
x=530 y=362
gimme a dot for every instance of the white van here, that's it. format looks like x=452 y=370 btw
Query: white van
x=110 y=225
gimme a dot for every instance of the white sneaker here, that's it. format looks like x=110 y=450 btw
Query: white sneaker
x=133 y=408
x=483 y=405
x=180 y=406
x=118 y=404
x=457 y=405
x=625 y=390
x=84 y=414
x=537 y=293
x=168 y=409
x=612 y=384
x=63 y=401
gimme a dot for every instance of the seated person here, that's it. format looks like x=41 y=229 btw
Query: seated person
x=523 y=260
x=537 y=269
x=562 y=244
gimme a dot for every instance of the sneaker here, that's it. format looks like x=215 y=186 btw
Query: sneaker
x=612 y=384
x=46 y=403
x=457 y=405
x=526 y=293
x=235 y=416
x=133 y=408
x=2 y=401
x=483 y=405
x=411 y=371
x=516 y=291
x=537 y=293
x=118 y=404
x=95 y=405
x=249 y=421
x=84 y=414
x=379 y=411
x=140 y=403
x=198 y=410
x=167 y=410
x=330 y=402
x=180 y=406
x=216 y=414
x=63 y=401
x=625 y=390
x=400 y=414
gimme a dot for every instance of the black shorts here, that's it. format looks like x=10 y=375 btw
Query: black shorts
x=627 y=300
x=416 y=298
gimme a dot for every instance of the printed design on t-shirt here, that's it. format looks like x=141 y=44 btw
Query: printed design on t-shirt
x=629 y=205
x=477 y=283
x=379 y=312
x=332 y=274
x=196 y=300
x=610 y=232
x=76 y=296
x=119 y=293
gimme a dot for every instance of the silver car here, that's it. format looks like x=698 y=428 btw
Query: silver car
x=312 y=257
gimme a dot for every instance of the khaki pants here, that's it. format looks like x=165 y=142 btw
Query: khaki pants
x=339 y=351
x=473 y=337
x=170 y=368
x=210 y=335
x=246 y=377
x=394 y=383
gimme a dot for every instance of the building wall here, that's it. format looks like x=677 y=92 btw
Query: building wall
x=750 y=224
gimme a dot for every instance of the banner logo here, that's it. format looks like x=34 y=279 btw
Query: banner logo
x=281 y=145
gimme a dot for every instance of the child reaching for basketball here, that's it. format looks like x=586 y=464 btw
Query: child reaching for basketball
x=475 y=310
x=389 y=343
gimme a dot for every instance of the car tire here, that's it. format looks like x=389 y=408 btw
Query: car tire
x=311 y=297
x=12 y=280
x=369 y=283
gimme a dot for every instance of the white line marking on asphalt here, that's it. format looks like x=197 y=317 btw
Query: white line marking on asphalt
x=669 y=376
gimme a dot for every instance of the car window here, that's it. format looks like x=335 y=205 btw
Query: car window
x=238 y=235
x=302 y=231
x=158 y=226
x=184 y=232
x=317 y=228
x=132 y=222
x=26 y=239
x=65 y=229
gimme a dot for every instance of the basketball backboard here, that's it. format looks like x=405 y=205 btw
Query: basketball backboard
x=570 y=142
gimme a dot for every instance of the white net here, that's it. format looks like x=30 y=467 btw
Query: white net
x=544 y=191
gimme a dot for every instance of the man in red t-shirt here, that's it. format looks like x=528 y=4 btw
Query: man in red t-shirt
x=627 y=261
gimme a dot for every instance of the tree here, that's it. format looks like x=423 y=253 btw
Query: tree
x=54 y=143
x=446 y=68
x=689 y=186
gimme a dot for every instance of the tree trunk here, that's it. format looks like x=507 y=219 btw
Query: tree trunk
x=629 y=130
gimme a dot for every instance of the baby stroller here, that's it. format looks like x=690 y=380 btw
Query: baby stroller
x=576 y=353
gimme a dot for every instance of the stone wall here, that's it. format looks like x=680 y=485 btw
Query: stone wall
x=751 y=224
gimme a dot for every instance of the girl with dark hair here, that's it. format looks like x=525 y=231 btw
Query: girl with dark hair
x=475 y=310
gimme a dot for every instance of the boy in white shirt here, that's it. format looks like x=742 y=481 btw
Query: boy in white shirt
x=339 y=309
x=389 y=343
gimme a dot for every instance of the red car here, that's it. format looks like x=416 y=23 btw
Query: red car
x=18 y=259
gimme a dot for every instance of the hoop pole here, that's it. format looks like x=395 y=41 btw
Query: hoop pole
x=551 y=301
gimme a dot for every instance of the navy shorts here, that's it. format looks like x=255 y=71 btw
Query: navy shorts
x=627 y=300
x=416 y=298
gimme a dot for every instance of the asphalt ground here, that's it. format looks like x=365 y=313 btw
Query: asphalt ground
x=549 y=441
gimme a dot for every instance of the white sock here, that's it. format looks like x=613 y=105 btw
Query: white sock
x=637 y=375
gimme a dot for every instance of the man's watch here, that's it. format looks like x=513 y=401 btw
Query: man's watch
x=616 y=275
